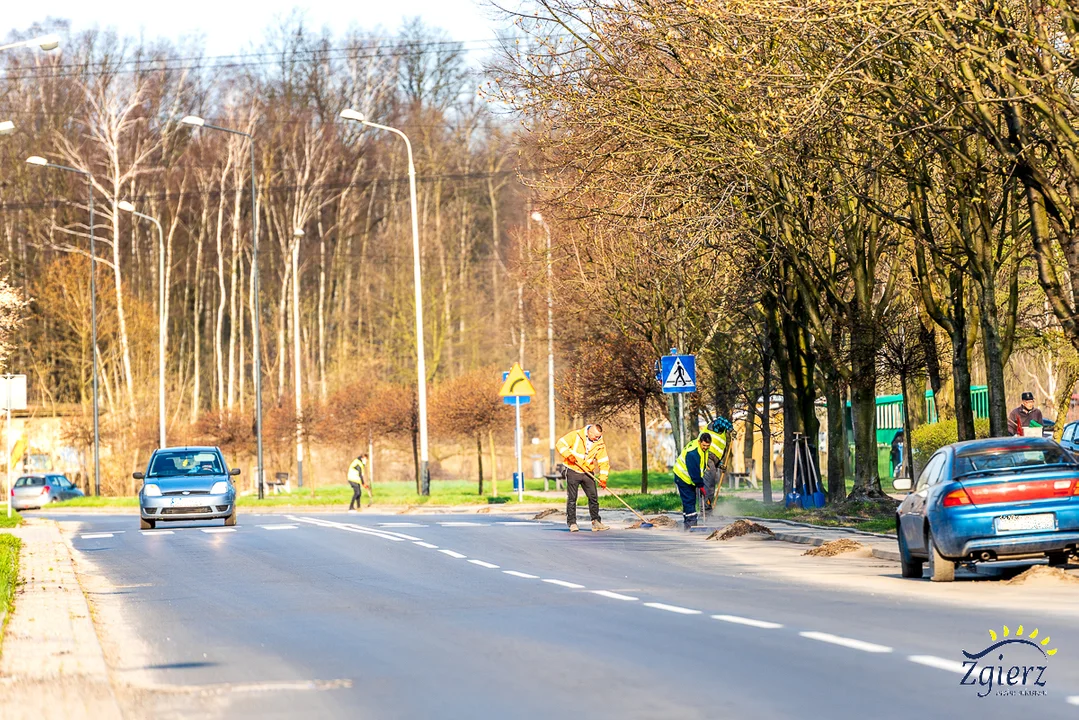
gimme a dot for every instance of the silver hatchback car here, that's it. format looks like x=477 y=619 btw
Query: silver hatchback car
x=40 y=489
x=188 y=483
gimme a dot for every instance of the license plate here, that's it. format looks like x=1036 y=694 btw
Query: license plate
x=1041 y=521
x=187 y=501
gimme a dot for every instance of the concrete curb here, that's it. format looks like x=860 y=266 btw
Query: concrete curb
x=837 y=528
x=879 y=553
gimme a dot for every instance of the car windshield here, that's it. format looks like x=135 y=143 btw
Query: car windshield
x=1012 y=459
x=186 y=462
x=29 y=481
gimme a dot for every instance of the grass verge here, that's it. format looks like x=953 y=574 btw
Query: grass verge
x=870 y=517
x=9 y=576
x=9 y=522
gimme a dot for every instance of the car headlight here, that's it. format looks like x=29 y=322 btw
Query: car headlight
x=151 y=490
x=220 y=488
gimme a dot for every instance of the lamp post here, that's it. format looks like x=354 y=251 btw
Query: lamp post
x=197 y=122
x=297 y=236
x=421 y=364
x=45 y=42
x=538 y=217
x=42 y=162
x=161 y=319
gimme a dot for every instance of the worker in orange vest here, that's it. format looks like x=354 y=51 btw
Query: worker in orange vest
x=586 y=461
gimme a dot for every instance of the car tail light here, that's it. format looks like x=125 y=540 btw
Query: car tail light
x=1020 y=491
x=45 y=490
x=956 y=498
x=12 y=492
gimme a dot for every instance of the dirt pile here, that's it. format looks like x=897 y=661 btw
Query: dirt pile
x=657 y=520
x=548 y=513
x=1044 y=575
x=835 y=547
x=739 y=528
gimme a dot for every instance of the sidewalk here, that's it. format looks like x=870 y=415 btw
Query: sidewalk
x=52 y=664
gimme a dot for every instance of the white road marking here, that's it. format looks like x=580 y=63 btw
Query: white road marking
x=401 y=524
x=673 y=608
x=613 y=595
x=93 y=536
x=1072 y=699
x=218 y=530
x=156 y=532
x=563 y=583
x=518 y=523
x=481 y=563
x=453 y=554
x=939 y=663
x=426 y=545
x=384 y=534
x=460 y=524
x=526 y=576
x=747 y=621
x=279 y=527
x=846 y=642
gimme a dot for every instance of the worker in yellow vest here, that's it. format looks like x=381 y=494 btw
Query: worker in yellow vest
x=586 y=461
x=689 y=476
x=720 y=431
x=356 y=479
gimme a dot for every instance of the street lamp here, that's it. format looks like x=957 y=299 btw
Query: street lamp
x=45 y=42
x=42 y=162
x=421 y=364
x=161 y=319
x=297 y=236
x=197 y=122
x=538 y=217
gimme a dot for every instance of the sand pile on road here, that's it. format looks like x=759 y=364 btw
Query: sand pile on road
x=548 y=513
x=1043 y=575
x=739 y=528
x=836 y=547
x=657 y=520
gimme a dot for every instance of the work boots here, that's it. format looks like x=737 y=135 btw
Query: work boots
x=573 y=528
x=598 y=525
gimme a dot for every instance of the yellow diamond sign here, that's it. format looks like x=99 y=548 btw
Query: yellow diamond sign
x=517 y=384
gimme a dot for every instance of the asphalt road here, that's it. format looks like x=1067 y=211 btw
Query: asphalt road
x=365 y=616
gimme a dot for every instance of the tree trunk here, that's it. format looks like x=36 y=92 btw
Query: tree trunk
x=416 y=457
x=644 y=444
x=994 y=360
x=747 y=441
x=766 y=431
x=964 y=412
x=479 y=461
x=864 y=408
x=837 y=438
x=321 y=312
x=297 y=367
x=494 y=462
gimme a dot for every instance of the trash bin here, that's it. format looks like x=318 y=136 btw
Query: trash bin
x=537 y=468
x=517 y=482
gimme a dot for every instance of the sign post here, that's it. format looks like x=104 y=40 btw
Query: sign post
x=13 y=395
x=517 y=390
x=678 y=374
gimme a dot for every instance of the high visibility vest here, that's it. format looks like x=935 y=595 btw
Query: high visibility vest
x=355 y=470
x=719 y=444
x=573 y=447
x=681 y=470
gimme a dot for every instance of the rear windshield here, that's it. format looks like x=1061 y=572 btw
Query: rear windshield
x=1014 y=459
x=190 y=462
x=27 y=481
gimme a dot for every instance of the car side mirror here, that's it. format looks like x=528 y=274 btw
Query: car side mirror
x=902 y=484
x=234 y=471
x=138 y=475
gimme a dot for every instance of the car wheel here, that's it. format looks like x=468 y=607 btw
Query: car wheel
x=147 y=524
x=231 y=519
x=910 y=567
x=1058 y=559
x=940 y=568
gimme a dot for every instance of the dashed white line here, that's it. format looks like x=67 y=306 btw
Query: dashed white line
x=279 y=527
x=846 y=642
x=526 y=576
x=516 y=523
x=426 y=545
x=1072 y=699
x=218 y=530
x=672 y=608
x=94 y=536
x=613 y=595
x=747 y=621
x=401 y=524
x=156 y=532
x=939 y=663
x=460 y=524
x=481 y=563
x=563 y=583
x=453 y=554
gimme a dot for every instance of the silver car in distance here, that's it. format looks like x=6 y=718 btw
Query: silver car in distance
x=186 y=483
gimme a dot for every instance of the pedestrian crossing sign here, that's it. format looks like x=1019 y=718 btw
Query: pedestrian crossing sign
x=678 y=373
x=515 y=383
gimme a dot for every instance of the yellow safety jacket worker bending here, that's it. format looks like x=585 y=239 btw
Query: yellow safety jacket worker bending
x=575 y=449
x=681 y=466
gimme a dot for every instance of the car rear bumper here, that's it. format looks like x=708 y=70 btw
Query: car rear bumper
x=1028 y=544
x=187 y=507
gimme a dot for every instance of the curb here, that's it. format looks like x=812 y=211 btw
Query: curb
x=879 y=553
x=838 y=528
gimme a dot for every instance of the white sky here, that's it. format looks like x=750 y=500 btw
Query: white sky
x=231 y=26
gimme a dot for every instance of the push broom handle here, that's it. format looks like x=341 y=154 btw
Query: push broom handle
x=615 y=495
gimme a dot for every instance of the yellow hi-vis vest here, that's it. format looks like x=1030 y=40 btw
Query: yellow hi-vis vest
x=681 y=470
x=572 y=447
x=355 y=470
x=719 y=444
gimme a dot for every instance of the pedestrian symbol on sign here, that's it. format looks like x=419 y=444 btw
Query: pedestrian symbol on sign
x=677 y=377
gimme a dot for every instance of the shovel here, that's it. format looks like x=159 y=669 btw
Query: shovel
x=644 y=523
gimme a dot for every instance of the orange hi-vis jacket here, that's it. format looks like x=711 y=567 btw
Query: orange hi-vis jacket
x=573 y=447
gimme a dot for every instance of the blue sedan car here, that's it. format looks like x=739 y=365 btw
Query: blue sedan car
x=985 y=500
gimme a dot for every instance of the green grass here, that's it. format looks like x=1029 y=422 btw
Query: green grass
x=869 y=518
x=9 y=575
x=9 y=522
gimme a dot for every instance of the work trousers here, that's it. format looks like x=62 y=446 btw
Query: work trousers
x=575 y=480
x=689 y=494
x=357 y=495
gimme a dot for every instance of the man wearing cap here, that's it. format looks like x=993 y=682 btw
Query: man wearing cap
x=1024 y=416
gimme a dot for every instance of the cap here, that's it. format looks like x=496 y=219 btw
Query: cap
x=1027 y=396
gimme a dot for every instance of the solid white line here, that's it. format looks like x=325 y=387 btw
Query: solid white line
x=218 y=530
x=518 y=523
x=398 y=535
x=156 y=532
x=92 y=536
x=481 y=563
x=846 y=642
x=1072 y=699
x=563 y=583
x=401 y=524
x=384 y=534
x=673 y=608
x=426 y=545
x=279 y=527
x=939 y=663
x=453 y=554
x=526 y=576
x=460 y=524
x=747 y=621
x=613 y=595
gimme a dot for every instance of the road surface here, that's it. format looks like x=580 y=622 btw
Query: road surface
x=425 y=616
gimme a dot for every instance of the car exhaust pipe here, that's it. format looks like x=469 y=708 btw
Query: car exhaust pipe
x=986 y=556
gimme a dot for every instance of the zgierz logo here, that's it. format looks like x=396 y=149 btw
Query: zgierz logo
x=1022 y=672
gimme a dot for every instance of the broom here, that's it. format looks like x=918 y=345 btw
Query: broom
x=644 y=523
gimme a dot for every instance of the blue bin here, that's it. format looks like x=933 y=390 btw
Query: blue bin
x=518 y=482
